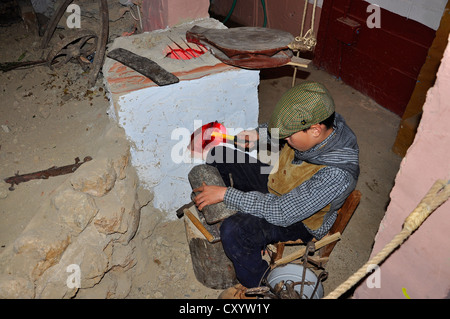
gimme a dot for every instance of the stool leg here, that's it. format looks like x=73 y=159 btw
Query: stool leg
x=279 y=253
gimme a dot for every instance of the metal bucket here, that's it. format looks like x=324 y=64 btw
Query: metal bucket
x=293 y=272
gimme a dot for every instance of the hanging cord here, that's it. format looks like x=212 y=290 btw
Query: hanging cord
x=230 y=12
x=304 y=17
x=263 y=2
x=436 y=196
x=308 y=40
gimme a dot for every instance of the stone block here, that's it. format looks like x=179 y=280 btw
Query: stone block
x=75 y=209
x=41 y=248
x=95 y=178
x=13 y=287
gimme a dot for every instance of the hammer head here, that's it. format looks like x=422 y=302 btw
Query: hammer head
x=180 y=211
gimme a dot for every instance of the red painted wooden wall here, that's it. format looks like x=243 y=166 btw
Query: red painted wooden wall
x=382 y=63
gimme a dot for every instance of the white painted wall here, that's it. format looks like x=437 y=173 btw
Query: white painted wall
x=159 y=121
x=427 y=12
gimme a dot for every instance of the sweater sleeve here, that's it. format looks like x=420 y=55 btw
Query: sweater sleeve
x=299 y=204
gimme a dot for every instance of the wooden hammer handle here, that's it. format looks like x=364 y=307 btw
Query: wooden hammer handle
x=199 y=225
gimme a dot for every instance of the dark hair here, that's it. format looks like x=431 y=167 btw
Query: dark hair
x=328 y=122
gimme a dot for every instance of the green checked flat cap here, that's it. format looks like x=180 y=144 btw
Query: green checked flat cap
x=300 y=107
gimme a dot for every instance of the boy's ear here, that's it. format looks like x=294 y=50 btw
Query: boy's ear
x=316 y=129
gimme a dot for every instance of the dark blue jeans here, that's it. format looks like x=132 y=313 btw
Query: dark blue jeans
x=244 y=236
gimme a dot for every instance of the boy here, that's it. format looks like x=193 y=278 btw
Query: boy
x=317 y=169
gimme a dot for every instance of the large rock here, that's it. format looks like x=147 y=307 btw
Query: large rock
x=13 y=287
x=88 y=255
x=83 y=231
x=74 y=209
x=119 y=211
x=96 y=177
x=38 y=249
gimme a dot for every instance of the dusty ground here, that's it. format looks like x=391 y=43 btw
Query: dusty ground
x=50 y=117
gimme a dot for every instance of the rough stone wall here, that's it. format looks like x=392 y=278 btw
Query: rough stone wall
x=89 y=221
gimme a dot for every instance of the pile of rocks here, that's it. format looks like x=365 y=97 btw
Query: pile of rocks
x=82 y=235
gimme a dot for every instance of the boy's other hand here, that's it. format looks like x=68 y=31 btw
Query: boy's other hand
x=247 y=139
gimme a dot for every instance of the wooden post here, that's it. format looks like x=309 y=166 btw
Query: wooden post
x=211 y=266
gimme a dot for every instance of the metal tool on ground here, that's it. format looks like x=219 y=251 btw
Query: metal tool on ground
x=8 y=66
x=79 y=46
x=143 y=65
x=45 y=174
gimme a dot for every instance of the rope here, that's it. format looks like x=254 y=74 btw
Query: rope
x=307 y=40
x=436 y=196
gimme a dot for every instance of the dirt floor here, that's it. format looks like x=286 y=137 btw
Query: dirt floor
x=50 y=117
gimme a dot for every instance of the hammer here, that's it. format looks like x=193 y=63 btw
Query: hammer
x=184 y=210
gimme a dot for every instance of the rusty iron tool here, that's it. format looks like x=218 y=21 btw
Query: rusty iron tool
x=143 y=65
x=322 y=276
x=310 y=248
x=8 y=66
x=291 y=293
x=263 y=290
x=45 y=174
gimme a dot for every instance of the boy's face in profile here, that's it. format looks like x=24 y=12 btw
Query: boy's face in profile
x=306 y=139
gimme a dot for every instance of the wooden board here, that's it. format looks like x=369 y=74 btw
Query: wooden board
x=143 y=65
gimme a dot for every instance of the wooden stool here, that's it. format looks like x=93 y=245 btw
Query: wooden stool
x=344 y=215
